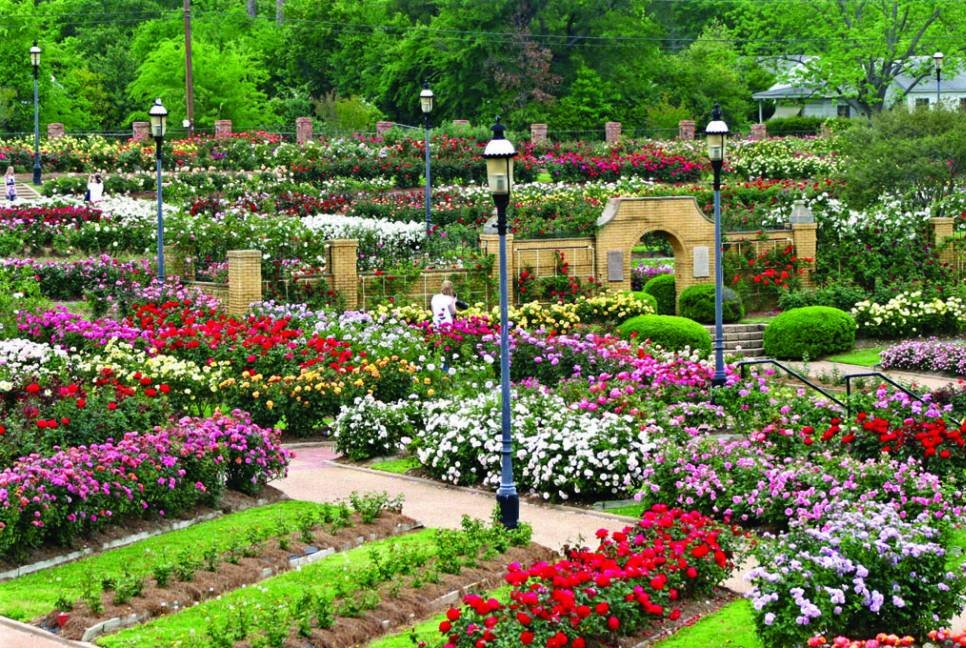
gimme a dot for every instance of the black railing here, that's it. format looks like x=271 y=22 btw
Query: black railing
x=746 y=363
x=876 y=374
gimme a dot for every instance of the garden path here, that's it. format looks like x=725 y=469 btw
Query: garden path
x=20 y=635
x=827 y=367
x=314 y=475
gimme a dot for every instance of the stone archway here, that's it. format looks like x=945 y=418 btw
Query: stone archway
x=626 y=220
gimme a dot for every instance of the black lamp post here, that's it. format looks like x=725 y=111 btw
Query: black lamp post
x=499 y=154
x=717 y=137
x=937 y=60
x=35 y=61
x=426 y=104
x=159 y=124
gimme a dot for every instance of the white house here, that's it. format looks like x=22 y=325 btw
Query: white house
x=818 y=100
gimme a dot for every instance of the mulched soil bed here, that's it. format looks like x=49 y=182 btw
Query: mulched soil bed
x=156 y=601
x=231 y=501
x=412 y=604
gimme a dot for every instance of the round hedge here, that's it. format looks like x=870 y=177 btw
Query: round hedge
x=812 y=331
x=697 y=303
x=670 y=332
x=662 y=289
x=647 y=298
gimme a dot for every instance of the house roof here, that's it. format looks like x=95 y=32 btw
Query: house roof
x=788 y=92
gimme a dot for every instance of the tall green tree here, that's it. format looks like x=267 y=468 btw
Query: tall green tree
x=855 y=48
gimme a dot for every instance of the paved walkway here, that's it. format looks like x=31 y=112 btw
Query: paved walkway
x=821 y=368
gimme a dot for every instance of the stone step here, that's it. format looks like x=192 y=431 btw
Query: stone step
x=729 y=336
x=738 y=328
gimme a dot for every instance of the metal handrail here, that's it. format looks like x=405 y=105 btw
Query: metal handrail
x=871 y=374
x=745 y=363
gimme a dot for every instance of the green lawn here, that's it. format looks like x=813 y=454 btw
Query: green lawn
x=863 y=357
x=631 y=510
x=544 y=177
x=189 y=625
x=732 y=626
x=34 y=595
x=399 y=466
x=758 y=319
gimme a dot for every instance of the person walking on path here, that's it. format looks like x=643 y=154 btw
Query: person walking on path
x=11 y=184
x=95 y=189
x=443 y=304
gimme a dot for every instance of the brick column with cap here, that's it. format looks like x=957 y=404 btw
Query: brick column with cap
x=686 y=130
x=344 y=257
x=222 y=128
x=244 y=280
x=612 y=132
x=383 y=126
x=758 y=132
x=805 y=239
x=943 y=229
x=538 y=133
x=303 y=130
x=140 y=130
x=55 y=130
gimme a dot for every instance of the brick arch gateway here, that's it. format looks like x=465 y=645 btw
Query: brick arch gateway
x=690 y=232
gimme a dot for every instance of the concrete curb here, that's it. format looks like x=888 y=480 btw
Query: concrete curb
x=48 y=638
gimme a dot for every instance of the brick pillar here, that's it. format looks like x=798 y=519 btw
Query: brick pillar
x=173 y=262
x=804 y=235
x=538 y=133
x=55 y=131
x=612 y=132
x=383 y=126
x=244 y=280
x=942 y=229
x=223 y=128
x=461 y=123
x=344 y=255
x=686 y=130
x=303 y=130
x=141 y=130
x=758 y=132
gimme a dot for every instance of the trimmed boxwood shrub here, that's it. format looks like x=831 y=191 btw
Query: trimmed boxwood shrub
x=697 y=303
x=648 y=298
x=670 y=332
x=662 y=288
x=813 y=331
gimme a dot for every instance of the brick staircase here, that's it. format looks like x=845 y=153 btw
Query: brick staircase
x=750 y=337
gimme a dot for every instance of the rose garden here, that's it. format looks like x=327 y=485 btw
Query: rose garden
x=147 y=427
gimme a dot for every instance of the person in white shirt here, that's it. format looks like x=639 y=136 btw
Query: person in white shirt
x=95 y=189
x=443 y=304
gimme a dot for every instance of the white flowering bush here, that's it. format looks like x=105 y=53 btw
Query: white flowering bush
x=370 y=428
x=22 y=360
x=909 y=314
x=787 y=157
x=190 y=381
x=558 y=452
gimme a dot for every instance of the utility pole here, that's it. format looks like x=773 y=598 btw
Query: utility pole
x=189 y=94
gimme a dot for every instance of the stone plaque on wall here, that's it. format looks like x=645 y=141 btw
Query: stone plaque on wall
x=701 y=261
x=615 y=265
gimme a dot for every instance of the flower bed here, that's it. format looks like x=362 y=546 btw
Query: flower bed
x=861 y=571
x=926 y=355
x=57 y=497
x=910 y=315
x=635 y=576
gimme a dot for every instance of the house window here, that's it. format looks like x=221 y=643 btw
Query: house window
x=843 y=110
x=922 y=102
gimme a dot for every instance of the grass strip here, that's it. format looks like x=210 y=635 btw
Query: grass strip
x=630 y=510
x=428 y=630
x=396 y=466
x=188 y=626
x=34 y=595
x=733 y=626
x=861 y=357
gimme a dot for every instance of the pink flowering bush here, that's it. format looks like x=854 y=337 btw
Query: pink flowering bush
x=57 y=497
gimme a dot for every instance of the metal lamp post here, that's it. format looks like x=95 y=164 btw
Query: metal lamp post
x=426 y=103
x=937 y=60
x=159 y=124
x=499 y=154
x=35 y=61
x=717 y=138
